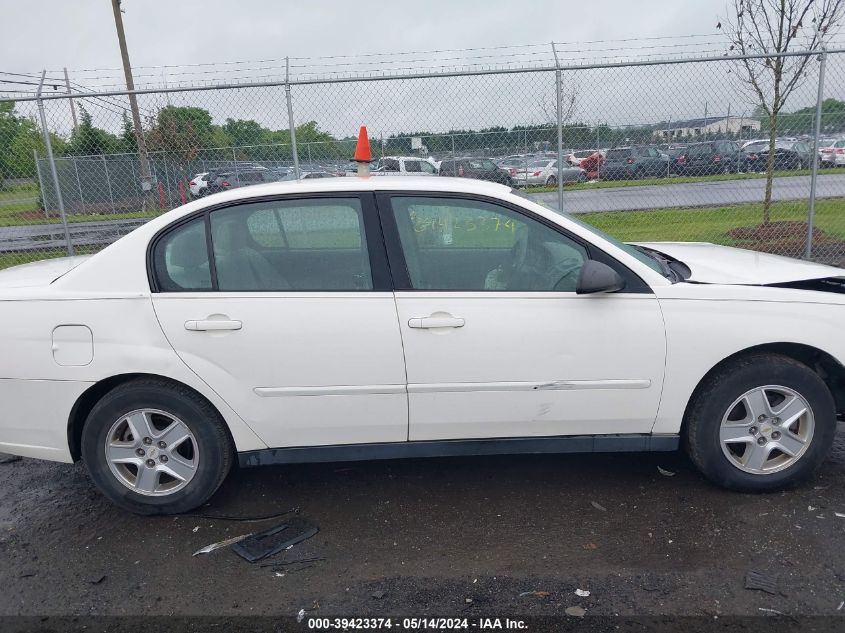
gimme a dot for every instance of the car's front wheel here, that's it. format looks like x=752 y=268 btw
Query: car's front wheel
x=762 y=422
x=153 y=447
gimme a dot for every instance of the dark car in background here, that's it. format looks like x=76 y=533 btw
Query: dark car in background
x=788 y=155
x=232 y=179
x=713 y=157
x=478 y=168
x=630 y=163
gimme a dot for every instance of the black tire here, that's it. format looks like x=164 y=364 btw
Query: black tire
x=712 y=399
x=551 y=182
x=216 y=451
x=582 y=177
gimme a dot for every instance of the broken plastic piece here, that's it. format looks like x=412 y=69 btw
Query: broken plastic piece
x=576 y=612
x=218 y=545
x=664 y=472
x=582 y=592
x=761 y=581
x=260 y=545
x=598 y=506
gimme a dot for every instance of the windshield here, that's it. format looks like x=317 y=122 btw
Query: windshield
x=643 y=255
x=540 y=163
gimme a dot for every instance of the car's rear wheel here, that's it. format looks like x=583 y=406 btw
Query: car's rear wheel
x=153 y=447
x=551 y=182
x=762 y=422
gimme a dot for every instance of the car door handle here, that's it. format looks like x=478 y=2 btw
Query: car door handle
x=435 y=321
x=212 y=325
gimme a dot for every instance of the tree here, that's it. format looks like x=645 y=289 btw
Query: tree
x=770 y=28
x=88 y=140
x=181 y=131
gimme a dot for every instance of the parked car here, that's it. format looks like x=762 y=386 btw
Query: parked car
x=631 y=163
x=832 y=152
x=592 y=165
x=307 y=175
x=788 y=155
x=405 y=165
x=713 y=157
x=544 y=172
x=198 y=185
x=224 y=180
x=234 y=331
x=478 y=168
x=749 y=159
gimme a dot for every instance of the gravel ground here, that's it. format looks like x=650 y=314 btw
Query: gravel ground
x=466 y=537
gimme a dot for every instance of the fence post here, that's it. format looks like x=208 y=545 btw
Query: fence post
x=559 y=108
x=79 y=185
x=814 y=173
x=108 y=181
x=290 y=119
x=49 y=146
x=40 y=183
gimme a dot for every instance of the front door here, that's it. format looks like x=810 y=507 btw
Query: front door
x=291 y=320
x=498 y=344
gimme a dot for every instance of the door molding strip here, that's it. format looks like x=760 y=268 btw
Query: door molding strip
x=552 y=385
x=334 y=390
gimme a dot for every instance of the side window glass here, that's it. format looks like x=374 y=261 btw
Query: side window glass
x=412 y=166
x=427 y=167
x=469 y=245
x=291 y=245
x=180 y=259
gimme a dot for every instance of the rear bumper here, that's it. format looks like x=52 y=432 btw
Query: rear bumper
x=34 y=417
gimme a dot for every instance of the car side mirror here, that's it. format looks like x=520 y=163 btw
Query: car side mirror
x=596 y=277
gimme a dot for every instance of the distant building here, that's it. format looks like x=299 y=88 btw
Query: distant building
x=708 y=125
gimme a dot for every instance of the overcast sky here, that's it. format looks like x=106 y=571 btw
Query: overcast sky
x=80 y=34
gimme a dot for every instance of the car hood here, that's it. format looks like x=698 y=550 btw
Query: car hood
x=40 y=273
x=713 y=264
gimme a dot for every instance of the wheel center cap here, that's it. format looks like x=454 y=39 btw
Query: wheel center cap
x=766 y=430
x=152 y=452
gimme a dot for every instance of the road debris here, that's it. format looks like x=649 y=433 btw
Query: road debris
x=582 y=592
x=772 y=611
x=664 y=472
x=575 y=612
x=378 y=595
x=221 y=544
x=841 y=604
x=98 y=580
x=260 y=545
x=538 y=594
x=300 y=616
x=841 y=515
x=196 y=529
x=761 y=581
x=598 y=506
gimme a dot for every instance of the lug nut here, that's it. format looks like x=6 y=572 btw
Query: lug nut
x=776 y=421
x=761 y=440
x=148 y=440
x=162 y=445
x=775 y=435
x=753 y=430
x=140 y=452
x=164 y=459
x=761 y=418
x=150 y=463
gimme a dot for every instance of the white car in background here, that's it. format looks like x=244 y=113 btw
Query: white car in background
x=198 y=185
x=405 y=165
x=543 y=172
x=371 y=318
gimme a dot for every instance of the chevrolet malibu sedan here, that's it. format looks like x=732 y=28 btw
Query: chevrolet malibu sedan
x=371 y=318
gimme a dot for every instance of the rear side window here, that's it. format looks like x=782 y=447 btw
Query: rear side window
x=180 y=259
x=618 y=153
x=412 y=166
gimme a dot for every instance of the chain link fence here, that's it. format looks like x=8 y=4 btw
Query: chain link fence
x=651 y=151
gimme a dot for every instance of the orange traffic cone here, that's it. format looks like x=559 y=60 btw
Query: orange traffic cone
x=362 y=152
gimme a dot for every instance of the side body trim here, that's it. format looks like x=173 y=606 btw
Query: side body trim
x=449 y=448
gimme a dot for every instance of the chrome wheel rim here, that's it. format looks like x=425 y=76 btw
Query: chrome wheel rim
x=767 y=429
x=152 y=452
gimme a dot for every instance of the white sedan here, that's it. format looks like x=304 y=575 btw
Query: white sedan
x=370 y=318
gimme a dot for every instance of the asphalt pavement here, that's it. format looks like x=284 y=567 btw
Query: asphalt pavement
x=693 y=194
x=457 y=537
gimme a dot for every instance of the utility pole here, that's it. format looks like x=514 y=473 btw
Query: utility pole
x=146 y=174
x=72 y=106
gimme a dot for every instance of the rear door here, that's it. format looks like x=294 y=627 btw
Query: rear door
x=497 y=343
x=284 y=307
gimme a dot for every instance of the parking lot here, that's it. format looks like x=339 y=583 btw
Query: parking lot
x=644 y=534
